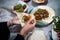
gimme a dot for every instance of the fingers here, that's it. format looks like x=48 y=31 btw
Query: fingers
x=29 y=21
x=32 y=22
x=16 y=18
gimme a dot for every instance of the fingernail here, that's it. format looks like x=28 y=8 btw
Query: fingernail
x=32 y=22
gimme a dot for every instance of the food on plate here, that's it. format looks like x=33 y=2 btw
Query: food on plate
x=41 y=14
x=19 y=7
x=39 y=1
x=25 y=18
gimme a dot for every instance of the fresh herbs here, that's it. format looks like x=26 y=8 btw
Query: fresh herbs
x=19 y=7
x=25 y=18
x=56 y=23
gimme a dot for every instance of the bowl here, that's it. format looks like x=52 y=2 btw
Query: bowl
x=39 y=1
x=19 y=3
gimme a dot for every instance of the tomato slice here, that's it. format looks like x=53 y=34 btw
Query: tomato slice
x=29 y=17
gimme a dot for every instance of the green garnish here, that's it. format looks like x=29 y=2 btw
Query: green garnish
x=56 y=22
x=19 y=7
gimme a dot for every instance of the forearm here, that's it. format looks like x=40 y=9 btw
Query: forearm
x=21 y=35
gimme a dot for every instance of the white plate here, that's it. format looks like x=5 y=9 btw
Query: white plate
x=36 y=1
x=50 y=11
x=20 y=2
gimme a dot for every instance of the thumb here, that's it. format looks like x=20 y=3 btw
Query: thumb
x=31 y=21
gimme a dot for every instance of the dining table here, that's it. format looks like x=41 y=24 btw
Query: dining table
x=48 y=30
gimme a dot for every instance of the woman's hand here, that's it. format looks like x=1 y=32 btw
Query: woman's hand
x=13 y=21
x=29 y=26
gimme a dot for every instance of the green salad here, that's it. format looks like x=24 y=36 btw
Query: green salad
x=19 y=7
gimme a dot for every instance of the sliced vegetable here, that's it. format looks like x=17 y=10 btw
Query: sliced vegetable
x=29 y=17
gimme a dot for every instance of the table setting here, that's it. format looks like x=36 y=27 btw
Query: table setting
x=43 y=11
